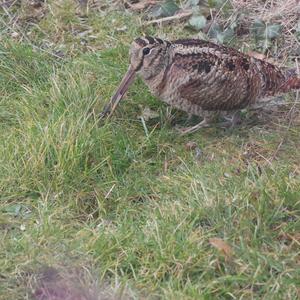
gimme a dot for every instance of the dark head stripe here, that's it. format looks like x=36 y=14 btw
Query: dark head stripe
x=141 y=42
x=159 y=40
x=150 y=39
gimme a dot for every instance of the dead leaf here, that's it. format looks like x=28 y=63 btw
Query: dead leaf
x=261 y=56
x=222 y=246
x=295 y=238
x=148 y=114
x=166 y=165
x=190 y=145
x=256 y=55
x=142 y=5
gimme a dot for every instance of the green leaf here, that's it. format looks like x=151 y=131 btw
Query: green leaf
x=262 y=31
x=214 y=30
x=227 y=34
x=298 y=31
x=220 y=38
x=258 y=29
x=233 y=25
x=273 y=31
x=266 y=44
x=192 y=3
x=216 y=3
x=298 y=27
x=197 y=22
x=13 y=209
x=200 y=6
x=166 y=9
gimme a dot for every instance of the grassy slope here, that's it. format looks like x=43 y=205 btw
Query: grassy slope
x=136 y=210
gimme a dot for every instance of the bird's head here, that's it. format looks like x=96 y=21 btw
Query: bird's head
x=147 y=58
x=147 y=55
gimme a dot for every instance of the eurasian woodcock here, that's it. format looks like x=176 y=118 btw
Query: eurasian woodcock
x=200 y=77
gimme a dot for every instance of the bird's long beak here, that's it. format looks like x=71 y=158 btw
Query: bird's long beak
x=117 y=97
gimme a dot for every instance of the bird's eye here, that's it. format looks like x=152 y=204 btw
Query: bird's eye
x=146 y=51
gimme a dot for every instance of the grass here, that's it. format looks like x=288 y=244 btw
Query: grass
x=121 y=212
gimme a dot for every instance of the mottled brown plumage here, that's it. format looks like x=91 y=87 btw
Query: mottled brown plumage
x=201 y=77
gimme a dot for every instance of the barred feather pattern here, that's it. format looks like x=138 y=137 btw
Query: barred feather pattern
x=197 y=76
x=292 y=83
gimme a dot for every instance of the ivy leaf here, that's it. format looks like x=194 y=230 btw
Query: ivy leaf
x=258 y=29
x=197 y=22
x=273 y=31
x=233 y=25
x=166 y=9
x=192 y=3
x=261 y=30
x=214 y=30
x=298 y=32
x=13 y=209
x=298 y=27
x=148 y=114
x=225 y=36
x=217 y=33
x=198 y=6
x=220 y=38
x=222 y=246
x=216 y=3
x=266 y=44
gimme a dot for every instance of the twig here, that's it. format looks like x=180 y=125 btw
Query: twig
x=181 y=15
x=8 y=3
x=109 y=192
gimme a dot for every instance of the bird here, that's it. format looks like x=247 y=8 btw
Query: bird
x=202 y=78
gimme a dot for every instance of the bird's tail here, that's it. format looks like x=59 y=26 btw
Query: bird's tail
x=292 y=81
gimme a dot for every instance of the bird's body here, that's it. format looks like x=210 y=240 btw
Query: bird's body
x=199 y=77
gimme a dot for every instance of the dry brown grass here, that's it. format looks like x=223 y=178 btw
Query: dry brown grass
x=283 y=12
